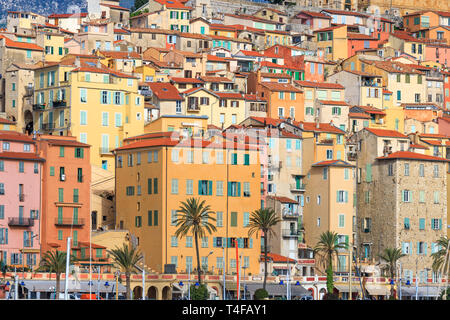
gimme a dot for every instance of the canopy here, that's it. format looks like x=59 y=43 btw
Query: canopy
x=272 y=289
x=423 y=291
x=74 y=286
x=344 y=287
x=380 y=290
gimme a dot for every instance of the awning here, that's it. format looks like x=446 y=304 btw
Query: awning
x=378 y=290
x=30 y=250
x=272 y=288
x=344 y=288
x=423 y=291
x=74 y=286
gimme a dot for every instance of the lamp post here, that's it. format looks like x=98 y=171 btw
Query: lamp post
x=117 y=284
x=66 y=294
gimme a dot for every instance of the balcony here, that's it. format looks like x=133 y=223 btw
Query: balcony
x=38 y=106
x=298 y=187
x=268 y=248
x=21 y=197
x=104 y=150
x=69 y=222
x=20 y=222
x=48 y=126
x=287 y=213
x=29 y=91
x=288 y=233
x=327 y=141
x=59 y=104
x=274 y=164
x=193 y=108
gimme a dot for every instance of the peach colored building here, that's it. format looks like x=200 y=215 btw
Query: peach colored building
x=66 y=179
x=20 y=204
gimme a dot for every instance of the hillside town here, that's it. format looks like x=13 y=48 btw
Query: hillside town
x=293 y=151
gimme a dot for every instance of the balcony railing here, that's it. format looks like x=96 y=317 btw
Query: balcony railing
x=20 y=222
x=104 y=150
x=29 y=91
x=290 y=233
x=69 y=222
x=286 y=213
x=268 y=248
x=48 y=126
x=326 y=141
x=39 y=106
x=193 y=108
x=59 y=104
x=298 y=187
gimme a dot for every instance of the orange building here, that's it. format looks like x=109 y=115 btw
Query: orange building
x=154 y=173
x=284 y=100
x=66 y=182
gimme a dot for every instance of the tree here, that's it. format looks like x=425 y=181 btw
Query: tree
x=55 y=261
x=328 y=247
x=199 y=293
x=391 y=256
x=441 y=257
x=126 y=259
x=263 y=220
x=194 y=216
x=138 y=4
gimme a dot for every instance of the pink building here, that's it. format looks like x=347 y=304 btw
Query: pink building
x=438 y=53
x=20 y=191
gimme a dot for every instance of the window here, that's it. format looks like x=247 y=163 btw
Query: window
x=325 y=173
x=436 y=224
x=406 y=223
x=436 y=197
x=246 y=189
x=204 y=242
x=421 y=247
x=174 y=241
x=421 y=196
x=219 y=219
x=341 y=196
x=406 y=196
x=174 y=155
x=205 y=187
x=341 y=220
x=406 y=169
x=233 y=220
x=138 y=221
x=329 y=154
x=436 y=171
x=219 y=188
x=189 y=187
x=234 y=189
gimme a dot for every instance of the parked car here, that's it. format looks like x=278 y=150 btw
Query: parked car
x=307 y=298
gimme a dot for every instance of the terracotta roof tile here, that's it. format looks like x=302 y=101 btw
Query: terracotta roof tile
x=412 y=156
x=386 y=133
x=324 y=85
x=164 y=91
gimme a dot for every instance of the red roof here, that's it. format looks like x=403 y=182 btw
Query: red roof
x=20 y=156
x=229 y=95
x=320 y=127
x=386 y=133
x=215 y=79
x=275 y=86
x=15 y=136
x=20 y=45
x=69 y=15
x=164 y=91
x=324 y=85
x=412 y=156
x=173 y=4
x=332 y=163
x=432 y=142
x=114 y=6
x=358 y=115
x=433 y=135
x=417 y=146
x=334 y=103
x=314 y=14
x=6 y=121
x=278 y=258
x=185 y=80
x=191 y=143
x=359 y=36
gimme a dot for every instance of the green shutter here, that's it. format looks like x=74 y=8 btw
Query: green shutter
x=368 y=172
x=210 y=187
x=239 y=189
x=155 y=218
x=150 y=220
x=246 y=159
x=149 y=186
x=52 y=171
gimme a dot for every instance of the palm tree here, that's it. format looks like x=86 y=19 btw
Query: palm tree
x=194 y=216
x=391 y=256
x=264 y=220
x=440 y=257
x=327 y=247
x=126 y=259
x=55 y=261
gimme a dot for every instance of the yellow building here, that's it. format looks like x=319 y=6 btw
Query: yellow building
x=49 y=38
x=329 y=205
x=187 y=125
x=155 y=173
x=146 y=73
x=333 y=40
x=82 y=98
x=222 y=108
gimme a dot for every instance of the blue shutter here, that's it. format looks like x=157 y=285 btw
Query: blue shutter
x=440 y=224
x=199 y=187
x=425 y=248
x=6 y=235
x=229 y=188
x=251 y=243
x=239 y=189
x=210 y=187
x=418 y=245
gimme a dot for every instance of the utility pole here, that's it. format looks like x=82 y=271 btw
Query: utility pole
x=66 y=295
x=350 y=273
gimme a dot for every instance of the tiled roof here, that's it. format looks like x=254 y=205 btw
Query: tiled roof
x=15 y=136
x=330 y=28
x=359 y=36
x=417 y=146
x=386 y=133
x=20 y=156
x=65 y=142
x=412 y=156
x=230 y=95
x=69 y=15
x=114 y=6
x=172 y=4
x=432 y=142
x=283 y=199
x=333 y=103
x=121 y=54
x=319 y=127
x=370 y=109
x=346 y=13
x=434 y=136
x=278 y=258
x=185 y=80
x=338 y=163
x=164 y=91
x=323 y=85
x=186 y=143
x=361 y=115
x=275 y=75
x=20 y=45
x=314 y=14
x=6 y=121
x=275 y=86
x=215 y=79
